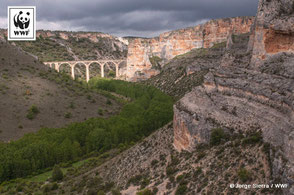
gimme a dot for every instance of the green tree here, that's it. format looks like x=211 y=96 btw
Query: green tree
x=57 y=173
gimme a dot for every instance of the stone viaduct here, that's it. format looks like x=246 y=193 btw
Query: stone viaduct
x=87 y=64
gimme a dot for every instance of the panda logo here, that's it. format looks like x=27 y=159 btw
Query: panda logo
x=22 y=20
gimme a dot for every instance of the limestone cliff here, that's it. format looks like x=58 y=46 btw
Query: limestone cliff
x=251 y=90
x=170 y=44
x=274 y=29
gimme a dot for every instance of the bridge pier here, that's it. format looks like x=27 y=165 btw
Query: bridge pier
x=87 y=64
x=102 y=69
x=73 y=72
x=72 y=66
x=57 y=65
x=116 y=70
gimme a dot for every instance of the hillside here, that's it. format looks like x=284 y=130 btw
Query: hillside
x=154 y=164
x=58 y=100
x=72 y=46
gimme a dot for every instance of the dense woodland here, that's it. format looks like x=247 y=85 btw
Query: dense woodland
x=32 y=154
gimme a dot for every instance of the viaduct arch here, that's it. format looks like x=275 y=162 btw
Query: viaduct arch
x=87 y=64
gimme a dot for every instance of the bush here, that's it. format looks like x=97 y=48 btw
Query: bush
x=180 y=178
x=72 y=105
x=108 y=102
x=155 y=62
x=100 y=192
x=54 y=186
x=244 y=175
x=67 y=115
x=115 y=192
x=253 y=138
x=111 y=74
x=57 y=173
x=32 y=112
x=217 y=135
x=100 y=112
x=47 y=188
x=145 y=192
x=182 y=189
x=154 y=162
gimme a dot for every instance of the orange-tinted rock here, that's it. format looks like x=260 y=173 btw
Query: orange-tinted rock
x=274 y=30
x=170 y=44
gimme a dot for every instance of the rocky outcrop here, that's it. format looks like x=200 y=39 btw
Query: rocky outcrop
x=170 y=44
x=249 y=92
x=274 y=29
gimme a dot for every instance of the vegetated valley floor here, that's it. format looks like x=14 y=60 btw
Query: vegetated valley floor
x=32 y=96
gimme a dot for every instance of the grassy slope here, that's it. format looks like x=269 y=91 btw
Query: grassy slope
x=60 y=100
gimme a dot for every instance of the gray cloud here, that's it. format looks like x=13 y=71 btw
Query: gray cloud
x=129 y=17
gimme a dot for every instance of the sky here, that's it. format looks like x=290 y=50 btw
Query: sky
x=143 y=18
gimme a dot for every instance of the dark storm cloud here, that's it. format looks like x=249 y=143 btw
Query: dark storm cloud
x=130 y=17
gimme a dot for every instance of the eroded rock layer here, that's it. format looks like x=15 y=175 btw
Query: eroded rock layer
x=170 y=44
x=251 y=90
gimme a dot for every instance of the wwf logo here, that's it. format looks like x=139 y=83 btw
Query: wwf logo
x=22 y=20
x=21 y=23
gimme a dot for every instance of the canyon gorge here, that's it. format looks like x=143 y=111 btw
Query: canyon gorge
x=233 y=75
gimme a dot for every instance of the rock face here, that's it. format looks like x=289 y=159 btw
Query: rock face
x=274 y=29
x=251 y=90
x=171 y=44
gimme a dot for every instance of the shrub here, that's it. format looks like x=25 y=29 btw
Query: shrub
x=180 y=178
x=72 y=105
x=135 y=180
x=100 y=112
x=201 y=155
x=217 y=135
x=155 y=62
x=198 y=172
x=145 y=192
x=100 y=192
x=170 y=170
x=145 y=182
x=54 y=186
x=115 y=192
x=67 y=115
x=47 y=188
x=32 y=112
x=57 y=173
x=111 y=74
x=253 y=138
x=244 y=175
x=154 y=162
x=182 y=189
x=108 y=102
